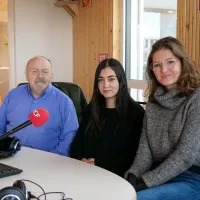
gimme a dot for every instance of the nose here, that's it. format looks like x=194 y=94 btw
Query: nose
x=106 y=83
x=40 y=74
x=163 y=68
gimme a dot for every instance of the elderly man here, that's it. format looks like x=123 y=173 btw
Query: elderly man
x=58 y=132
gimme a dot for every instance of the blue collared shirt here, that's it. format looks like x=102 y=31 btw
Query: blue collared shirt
x=56 y=134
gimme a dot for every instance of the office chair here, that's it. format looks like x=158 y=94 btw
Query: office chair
x=142 y=102
x=75 y=93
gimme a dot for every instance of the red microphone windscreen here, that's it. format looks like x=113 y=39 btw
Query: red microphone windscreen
x=39 y=116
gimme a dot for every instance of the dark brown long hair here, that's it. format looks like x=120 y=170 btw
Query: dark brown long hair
x=98 y=102
x=189 y=79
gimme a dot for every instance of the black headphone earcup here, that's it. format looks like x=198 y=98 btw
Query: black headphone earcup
x=9 y=147
x=15 y=144
x=13 y=193
x=9 y=144
x=21 y=185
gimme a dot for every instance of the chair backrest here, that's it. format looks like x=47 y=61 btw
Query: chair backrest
x=75 y=93
x=143 y=104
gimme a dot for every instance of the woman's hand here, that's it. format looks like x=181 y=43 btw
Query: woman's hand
x=138 y=184
x=90 y=160
x=84 y=160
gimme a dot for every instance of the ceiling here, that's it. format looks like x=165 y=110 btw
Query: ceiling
x=168 y=4
x=3 y=5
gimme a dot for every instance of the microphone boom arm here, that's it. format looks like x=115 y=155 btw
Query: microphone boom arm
x=25 y=124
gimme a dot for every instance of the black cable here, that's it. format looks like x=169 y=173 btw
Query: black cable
x=31 y=196
x=38 y=186
x=63 y=198
x=45 y=193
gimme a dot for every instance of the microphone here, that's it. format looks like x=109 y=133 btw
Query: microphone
x=38 y=117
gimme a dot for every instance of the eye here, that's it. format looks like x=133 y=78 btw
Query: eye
x=100 y=80
x=111 y=79
x=156 y=65
x=171 y=62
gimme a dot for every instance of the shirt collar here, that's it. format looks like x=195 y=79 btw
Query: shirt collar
x=49 y=88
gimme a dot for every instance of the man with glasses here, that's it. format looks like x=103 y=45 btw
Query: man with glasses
x=58 y=132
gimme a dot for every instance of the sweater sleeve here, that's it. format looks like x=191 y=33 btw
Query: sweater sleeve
x=143 y=160
x=185 y=154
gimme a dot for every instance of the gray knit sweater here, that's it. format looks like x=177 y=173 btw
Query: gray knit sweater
x=171 y=136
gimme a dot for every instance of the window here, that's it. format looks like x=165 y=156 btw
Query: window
x=145 y=21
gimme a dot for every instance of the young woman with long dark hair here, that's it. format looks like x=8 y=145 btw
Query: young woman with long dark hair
x=109 y=133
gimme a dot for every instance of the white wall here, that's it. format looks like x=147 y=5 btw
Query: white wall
x=167 y=24
x=43 y=29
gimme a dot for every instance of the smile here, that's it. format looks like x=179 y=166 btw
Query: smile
x=165 y=77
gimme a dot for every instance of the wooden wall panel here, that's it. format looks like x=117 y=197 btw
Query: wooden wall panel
x=188 y=23
x=3 y=5
x=93 y=33
x=4 y=61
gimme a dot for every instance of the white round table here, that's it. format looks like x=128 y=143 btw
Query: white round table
x=55 y=173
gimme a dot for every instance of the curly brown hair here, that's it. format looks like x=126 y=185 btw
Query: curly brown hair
x=189 y=79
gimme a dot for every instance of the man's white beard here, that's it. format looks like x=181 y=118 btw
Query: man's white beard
x=39 y=88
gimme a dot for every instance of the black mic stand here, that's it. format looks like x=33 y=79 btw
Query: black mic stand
x=10 y=146
x=21 y=126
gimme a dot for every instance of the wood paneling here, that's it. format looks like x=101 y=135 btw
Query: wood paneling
x=188 y=23
x=4 y=60
x=70 y=6
x=3 y=5
x=96 y=29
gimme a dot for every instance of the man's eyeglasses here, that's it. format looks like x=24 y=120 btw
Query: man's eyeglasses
x=169 y=64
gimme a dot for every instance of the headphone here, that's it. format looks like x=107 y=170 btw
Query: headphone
x=16 y=192
x=9 y=147
x=19 y=192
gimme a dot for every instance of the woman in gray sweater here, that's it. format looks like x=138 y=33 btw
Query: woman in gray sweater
x=167 y=164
